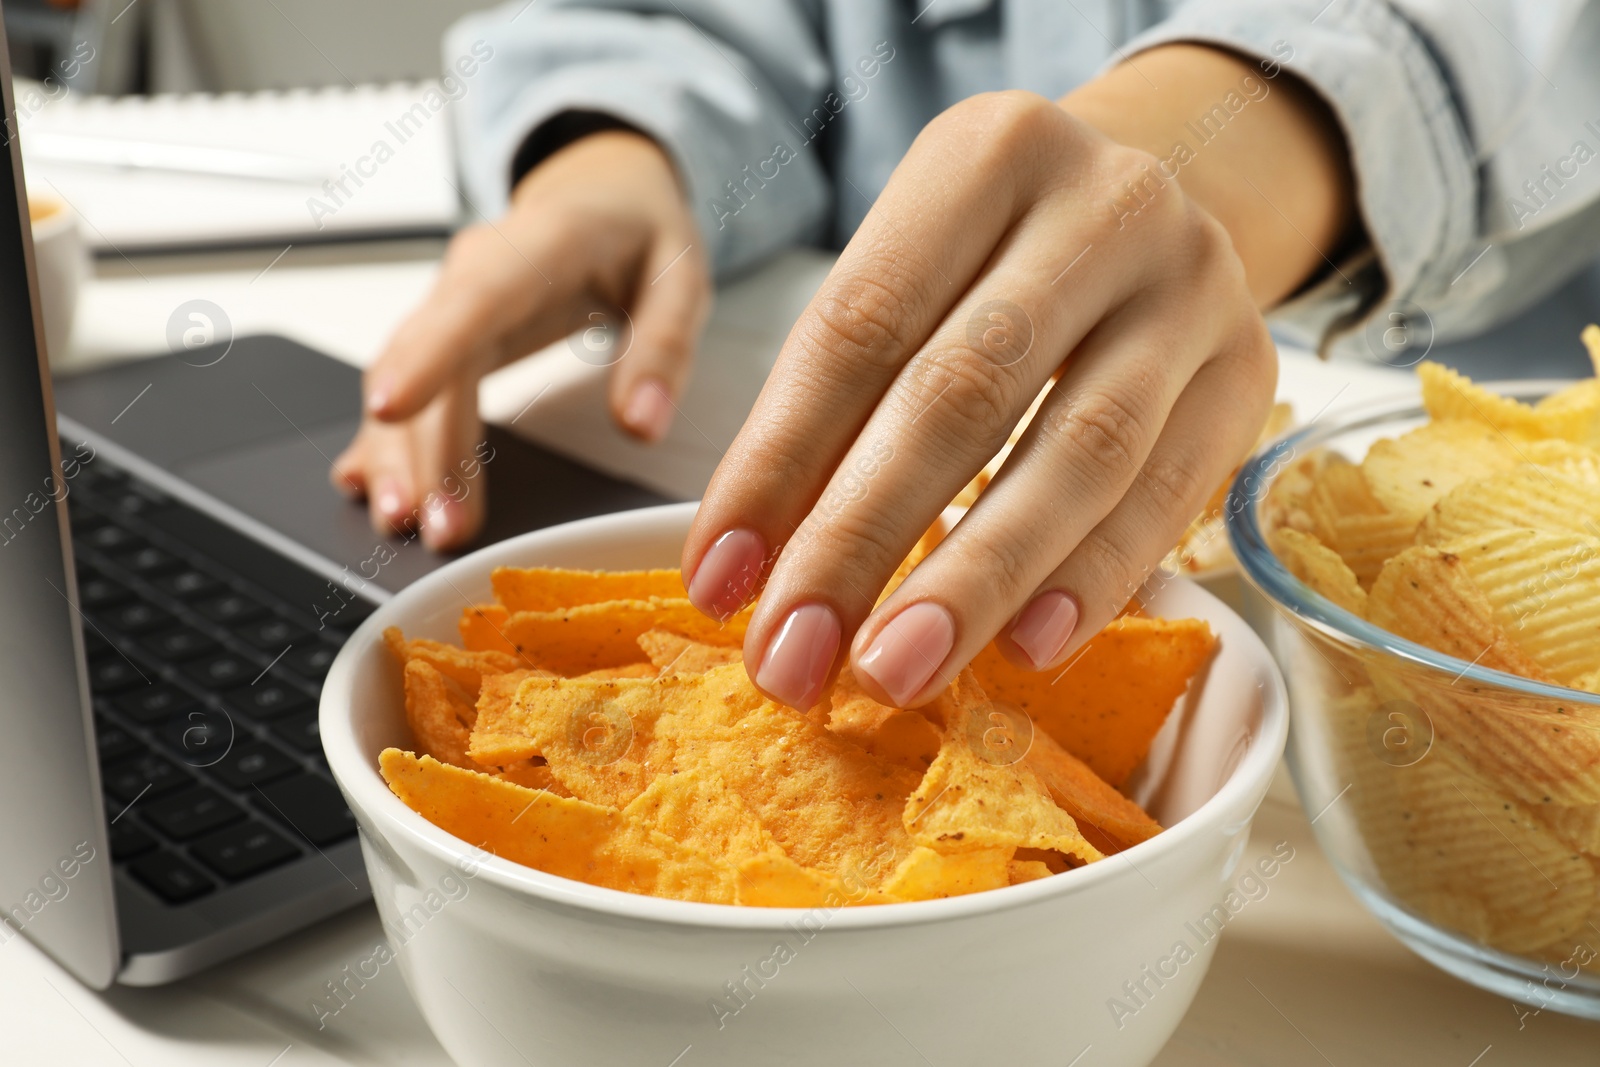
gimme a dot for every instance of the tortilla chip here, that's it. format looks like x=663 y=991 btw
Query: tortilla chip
x=553 y=588
x=438 y=709
x=1108 y=820
x=927 y=874
x=903 y=737
x=466 y=667
x=574 y=641
x=559 y=835
x=969 y=803
x=672 y=653
x=1109 y=701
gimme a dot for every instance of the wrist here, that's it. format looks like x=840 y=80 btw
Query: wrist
x=1251 y=145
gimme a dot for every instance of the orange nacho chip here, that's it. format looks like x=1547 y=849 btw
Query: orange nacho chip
x=559 y=835
x=573 y=641
x=1109 y=701
x=552 y=588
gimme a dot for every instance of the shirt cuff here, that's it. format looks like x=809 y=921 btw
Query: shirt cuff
x=1416 y=183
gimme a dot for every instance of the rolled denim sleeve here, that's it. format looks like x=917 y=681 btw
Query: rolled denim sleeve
x=719 y=85
x=1445 y=107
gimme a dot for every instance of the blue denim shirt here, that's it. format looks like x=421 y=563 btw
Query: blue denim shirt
x=1473 y=125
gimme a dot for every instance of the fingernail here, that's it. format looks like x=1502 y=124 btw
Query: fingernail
x=729 y=573
x=1045 y=625
x=379 y=392
x=908 y=650
x=390 y=504
x=439 y=525
x=797 y=661
x=649 y=411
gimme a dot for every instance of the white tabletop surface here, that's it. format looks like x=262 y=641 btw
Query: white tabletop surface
x=1303 y=976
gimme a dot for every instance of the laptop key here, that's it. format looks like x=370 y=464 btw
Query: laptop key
x=191 y=813
x=180 y=644
x=300 y=731
x=154 y=703
x=137 y=618
x=267 y=699
x=309 y=805
x=96 y=591
x=149 y=561
x=128 y=841
x=273 y=634
x=142 y=778
x=222 y=672
x=252 y=763
x=188 y=584
x=241 y=851
x=311 y=661
x=113 y=674
x=112 y=742
x=201 y=736
x=110 y=538
x=171 y=878
x=230 y=609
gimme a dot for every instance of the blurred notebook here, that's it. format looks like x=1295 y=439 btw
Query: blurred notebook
x=189 y=170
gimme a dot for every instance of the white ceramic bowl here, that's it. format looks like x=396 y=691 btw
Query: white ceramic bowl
x=517 y=967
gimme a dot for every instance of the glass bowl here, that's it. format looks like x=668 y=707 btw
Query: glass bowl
x=1459 y=803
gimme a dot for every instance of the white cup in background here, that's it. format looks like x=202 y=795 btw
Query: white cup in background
x=62 y=260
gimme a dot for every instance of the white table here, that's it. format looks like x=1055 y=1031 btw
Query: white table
x=1303 y=975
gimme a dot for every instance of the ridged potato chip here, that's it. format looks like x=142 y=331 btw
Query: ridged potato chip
x=1408 y=474
x=1542 y=751
x=1320 y=568
x=1544 y=591
x=1347 y=517
x=1468 y=856
x=1450 y=395
x=1523 y=497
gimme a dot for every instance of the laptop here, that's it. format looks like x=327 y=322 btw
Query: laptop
x=176 y=575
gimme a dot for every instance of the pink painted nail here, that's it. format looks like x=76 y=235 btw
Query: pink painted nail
x=441 y=524
x=649 y=411
x=908 y=650
x=797 y=661
x=729 y=575
x=379 y=394
x=389 y=503
x=1044 y=627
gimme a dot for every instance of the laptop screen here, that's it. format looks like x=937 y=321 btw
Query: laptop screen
x=55 y=868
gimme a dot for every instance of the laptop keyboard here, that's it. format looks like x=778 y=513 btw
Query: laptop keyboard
x=205 y=685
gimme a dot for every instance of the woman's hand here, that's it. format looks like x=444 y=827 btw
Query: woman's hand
x=1013 y=243
x=599 y=225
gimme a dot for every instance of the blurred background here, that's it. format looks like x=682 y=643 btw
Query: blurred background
x=314 y=67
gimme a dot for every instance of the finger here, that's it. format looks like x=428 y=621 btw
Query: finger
x=489 y=286
x=1195 y=452
x=669 y=310
x=391 y=493
x=1082 y=451
x=896 y=280
x=348 y=472
x=450 y=503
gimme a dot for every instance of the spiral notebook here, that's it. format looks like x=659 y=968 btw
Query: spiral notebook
x=195 y=170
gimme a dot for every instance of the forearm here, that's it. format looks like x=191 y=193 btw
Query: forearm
x=1262 y=154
